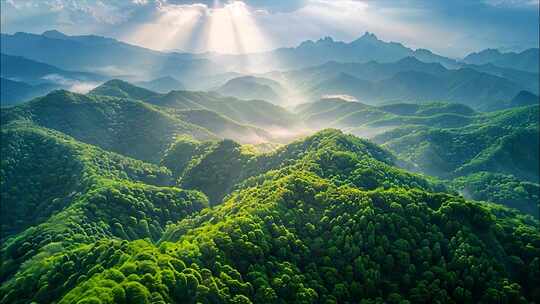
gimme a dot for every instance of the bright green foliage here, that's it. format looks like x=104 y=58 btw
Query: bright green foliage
x=444 y=140
x=330 y=153
x=184 y=151
x=326 y=219
x=453 y=152
x=500 y=142
x=97 y=195
x=45 y=170
x=516 y=153
x=302 y=239
x=217 y=171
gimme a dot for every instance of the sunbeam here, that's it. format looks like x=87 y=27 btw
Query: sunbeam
x=175 y=26
x=233 y=30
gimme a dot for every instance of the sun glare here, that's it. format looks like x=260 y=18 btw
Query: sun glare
x=171 y=30
x=227 y=28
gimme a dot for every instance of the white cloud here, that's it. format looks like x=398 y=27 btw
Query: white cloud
x=514 y=3
x=72 y=85
x=448 y=27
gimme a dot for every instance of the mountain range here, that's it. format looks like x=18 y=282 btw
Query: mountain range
x=362 y=172
x=526 y=60
x=114 y=117
x=411 y=80
x=108 y=56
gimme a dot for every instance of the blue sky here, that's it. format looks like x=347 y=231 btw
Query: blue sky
x=451 y=28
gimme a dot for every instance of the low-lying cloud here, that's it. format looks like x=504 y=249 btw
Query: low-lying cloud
x=72 y=85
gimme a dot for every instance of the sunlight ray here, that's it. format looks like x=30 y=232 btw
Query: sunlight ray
x=175 y=25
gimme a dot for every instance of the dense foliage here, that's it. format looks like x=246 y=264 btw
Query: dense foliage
x=503 y=189
x=306 y=232
x=79 y=194
x=125 y=126
x=329 y=218
x=219 y=167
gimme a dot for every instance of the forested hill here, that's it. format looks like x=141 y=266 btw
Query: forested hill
x=253 y=112
x=126 y=126
x=486 y=156
x=138 y=129
x=327 y=219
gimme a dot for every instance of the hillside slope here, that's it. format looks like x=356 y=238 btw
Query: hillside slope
x=314 y=230
x=248 y=112
x=125 y=126
x=16 y=92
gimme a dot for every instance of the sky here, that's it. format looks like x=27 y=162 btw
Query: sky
x=451 y=28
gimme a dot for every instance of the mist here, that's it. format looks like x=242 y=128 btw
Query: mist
x=73 y=85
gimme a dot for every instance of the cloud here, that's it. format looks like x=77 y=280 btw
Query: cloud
x=72 y=85
x=514 y=3
x=273 y=5
x=451 y=28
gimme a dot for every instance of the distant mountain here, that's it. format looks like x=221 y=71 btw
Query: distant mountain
x=528 y=80
x=370 y=71
x=528 y=60
x=364 y=49
x=15 y=92
x=210 y=82
x=85 y=52
x=250 y=87
x=407 y=80
x=343 y=84
x=162 y=84
x=311 y=53
x=24 y=79
x=34 y=72
x=91 y=53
